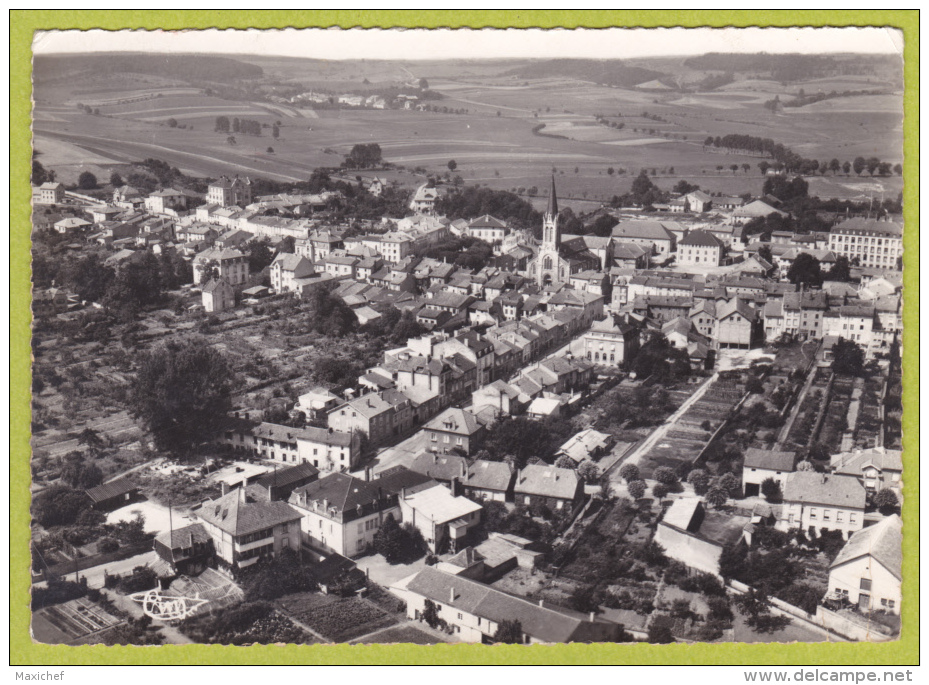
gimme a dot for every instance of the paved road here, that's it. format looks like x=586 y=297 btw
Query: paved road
x=636 y=455
x=96 y=574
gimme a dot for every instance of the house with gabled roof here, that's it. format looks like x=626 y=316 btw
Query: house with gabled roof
x=550 y=486
x=246 y=527
x=700 y=248
x=876 y=469
x=227 y=263
x=818 y=501
x=341 y=513
x=647 y=233
x=454 y=430
x=868 y=571
x=759 y=465
x=487 y=228
x=474 y=611
x=738 y=325
x=113 y=494
x=188 y=550
x=444 y=516
x=288 y=268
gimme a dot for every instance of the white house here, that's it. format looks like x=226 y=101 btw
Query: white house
x=869 y=569
x=759 y=465
x=817 y=501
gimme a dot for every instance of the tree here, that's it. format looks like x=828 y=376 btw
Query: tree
x=231 y=140
x=588 y=471
x=172 y=123
x=565 y=462
x=716 y=497
x=665 y=475
x=81 y=475
x=423 y=84
x=834 y=166
x=872 y=163
x=846 y=167
x=86 y=181
x=270 y=150
x=276 y=131
x=637 y=489
x=182 y=393
x=222 y=125
x=848 y=358
x=40 y=174
x=452 y=165
x=509 y=632
x=805 y=466
x=629 y=472
x=886 y=501
x=771 y=489
x=765 y=253
x=699 y=479
x=859 y=165
x=898 y=169
x=59 y=506
x=431 y=613
x=116 y=180
x=660 y=634
x=660 y=490
x=728 y=482
x=746 y=167
x=763 y=166
x=840 y=271
x=805 y=270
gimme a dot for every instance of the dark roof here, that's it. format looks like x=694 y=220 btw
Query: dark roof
x=809 y=487
x=547 y=623
x=114 y=488
x=769 y=459
x=552 y=200
x=398 y=478
x=440 y=466
x=343 y=491
x=288 y=476
x=700 y=239
x=182 y=538
x=238 y=513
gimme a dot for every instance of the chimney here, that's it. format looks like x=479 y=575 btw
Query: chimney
x=464 y=469
x=402 y=493
x=367 y=474
x=451 y=595
x=542 y=603
x=593 y=616
x=224 y=488
x=823 y=478
x=456 y=487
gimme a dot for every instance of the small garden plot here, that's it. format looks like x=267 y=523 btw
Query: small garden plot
x=254 y=623
x=338 y=619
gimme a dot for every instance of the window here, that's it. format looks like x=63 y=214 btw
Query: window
x=827 y=515
x=460 y=617
x=813 y=512
x=865 y=584
x=889 y=603
x=839 y=517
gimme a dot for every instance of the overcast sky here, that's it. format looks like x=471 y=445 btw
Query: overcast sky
x=486 y=43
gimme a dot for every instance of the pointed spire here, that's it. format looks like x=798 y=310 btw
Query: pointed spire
x=552 y=200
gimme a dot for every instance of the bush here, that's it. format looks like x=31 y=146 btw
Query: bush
x=629 y=472
x=771 y=489
x=666 y=475
x=660 y=490
x=637 y=489
x=142 y=578
x=107 y=545
x=271 y=578
x=802 y=596
x=57 y=592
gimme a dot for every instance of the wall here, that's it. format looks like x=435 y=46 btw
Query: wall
x=843 y=626
x=689 y=549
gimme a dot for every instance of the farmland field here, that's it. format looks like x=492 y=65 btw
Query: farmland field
x=494 y=142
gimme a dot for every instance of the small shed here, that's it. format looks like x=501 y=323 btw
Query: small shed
x=113 y=495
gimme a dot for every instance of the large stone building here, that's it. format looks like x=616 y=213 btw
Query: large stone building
x=873 y=243
x=226 y=192
x=555 y=262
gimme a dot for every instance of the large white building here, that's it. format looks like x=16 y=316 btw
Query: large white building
x=874 y=243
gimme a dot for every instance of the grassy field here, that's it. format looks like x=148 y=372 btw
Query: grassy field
x=493 y=144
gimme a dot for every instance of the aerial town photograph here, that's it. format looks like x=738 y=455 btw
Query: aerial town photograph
x=339 y=338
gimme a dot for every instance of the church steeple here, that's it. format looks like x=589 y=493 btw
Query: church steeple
x=550 y=237
x=552 y=200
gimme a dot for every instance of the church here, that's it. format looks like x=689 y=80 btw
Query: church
x=556 y=261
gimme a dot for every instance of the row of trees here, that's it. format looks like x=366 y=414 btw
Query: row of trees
x=247 y=126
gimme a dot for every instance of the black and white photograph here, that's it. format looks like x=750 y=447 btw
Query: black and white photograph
x=379 y=336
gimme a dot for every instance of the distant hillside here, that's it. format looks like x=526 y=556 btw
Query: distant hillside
x=795 y=67
x=189 y=67
x=606 y=72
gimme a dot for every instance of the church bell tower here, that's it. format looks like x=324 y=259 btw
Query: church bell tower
x=547 y=264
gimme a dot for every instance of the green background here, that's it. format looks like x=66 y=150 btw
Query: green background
x=23 y=651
